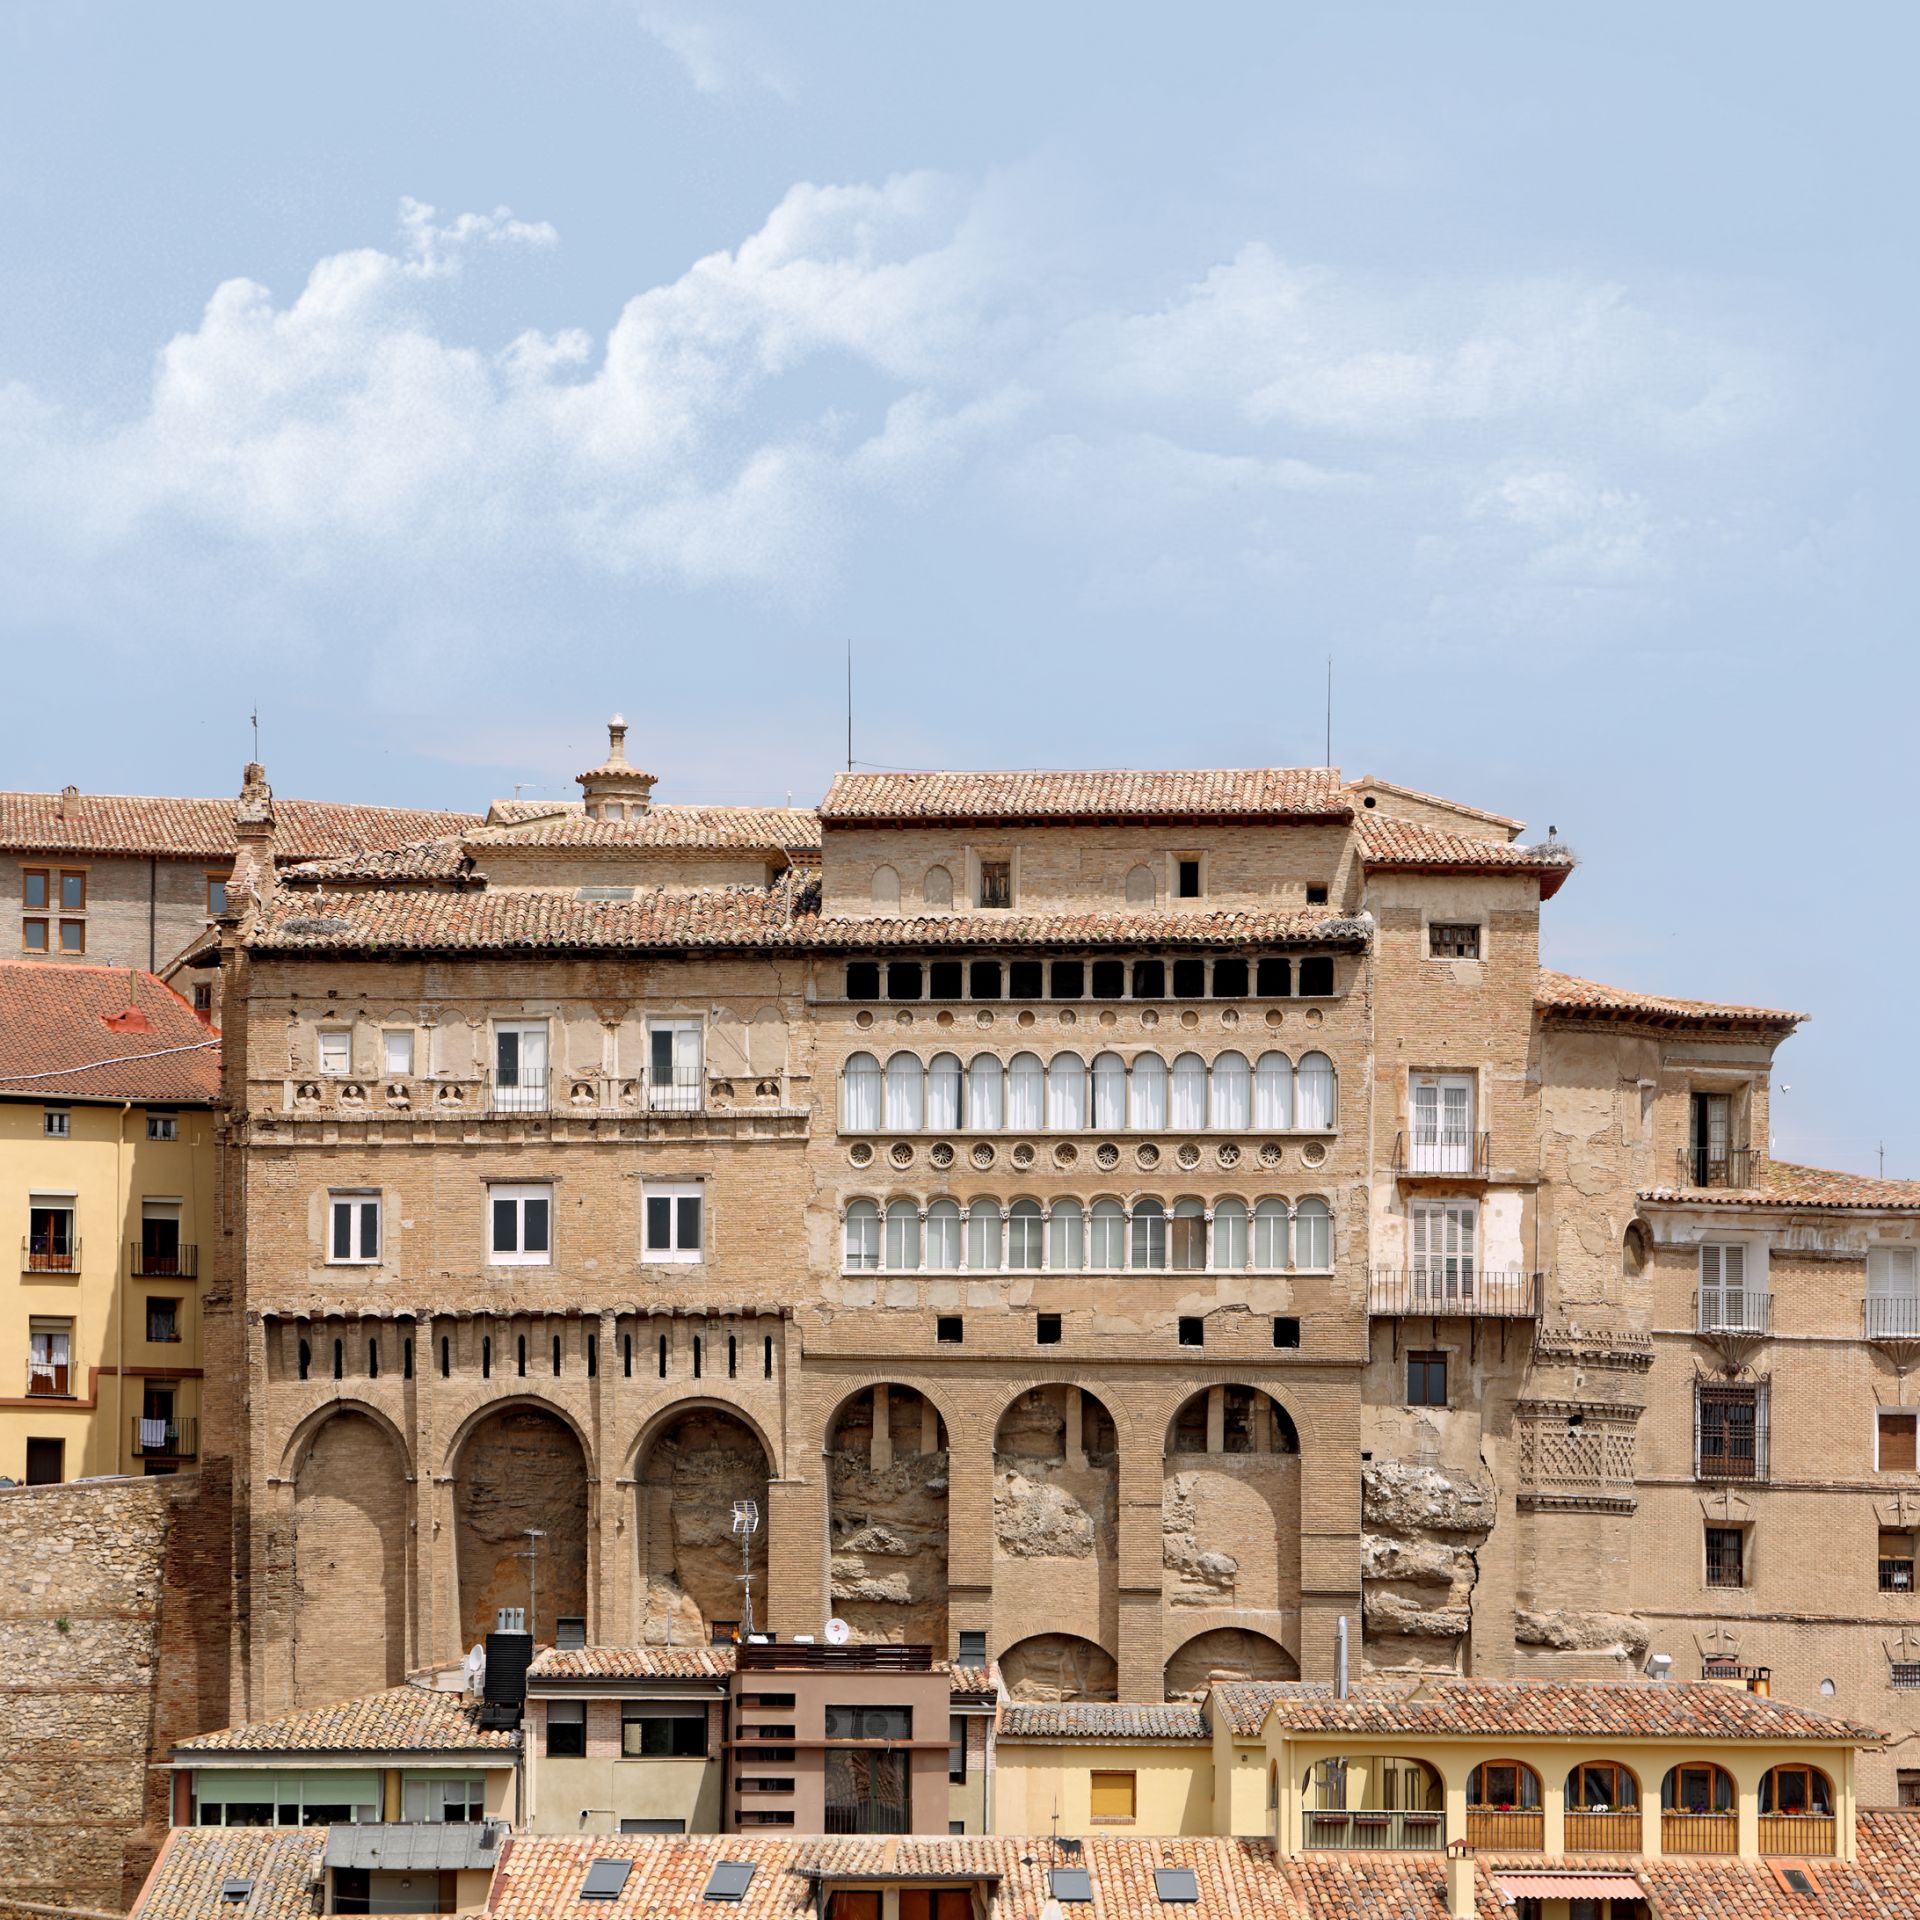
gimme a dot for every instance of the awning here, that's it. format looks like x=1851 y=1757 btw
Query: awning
x=1570 y=1886
x=427 y=1847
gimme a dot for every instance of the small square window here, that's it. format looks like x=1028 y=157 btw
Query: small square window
x=863 y=980
x=729 y=1880
x=1316 y=893
x=353 y=1230
x=1069 y=979
x=566 y=1729
x=1273 y=979
x=1193 y=1330
x=973 y=1647
x=1229 y=979
x=163 y=1321
x=56 y=1123
x=1176 y=1885
x=33 y=936
x=1726 y=1556
x=1906 y=1782
x=162 y=1126
x=1189 y=979
x=1286 y=1332
x=996 y=883
x=1070 y=1883
x=1023 y=979
x=521 y=1226
x=1046 y=1329
x=948 y=1330
x=905 y=980
x=1316 y=975
x=1453 y=939
x=396 y=1050
x=1187 y=884
x=216 y=893
x=1149 y=979
x=334 y=1048
x=1426 y=1379
x=73 y=936
x=605 y=1878
x=203 y=998
x=674 y=1222
x=1111 y=1795
x=983 y=979
x=944 y=979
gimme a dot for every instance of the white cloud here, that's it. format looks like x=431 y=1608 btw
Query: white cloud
x=434 y=251
x=716 y=52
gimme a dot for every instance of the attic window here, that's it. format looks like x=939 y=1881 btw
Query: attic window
x=1176 y=1885
x=1316 y=893
x=1798 y=1880
x=1453 y=939
x=605 y=1878
x=729 y=1880
x=603 y=893
x=1070 y=1883
x=235 y=1892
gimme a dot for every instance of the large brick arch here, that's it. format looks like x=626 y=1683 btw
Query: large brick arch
x=694 y=1462
x=887 y=1515
x=1226 y=1653
x=350 y=1572
x=1059 y=1666
x=1230 y=1512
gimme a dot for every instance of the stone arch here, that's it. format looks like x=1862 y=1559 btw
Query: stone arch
x=299 y=1442
x=1056 y=1509
x=1226 y=1653
x=1230 y=1511
x=351 y=1509
x=1059 y=1666
x=519 y=1464
x=887 y=1515
x=1636 y=1249
x=698 y=1460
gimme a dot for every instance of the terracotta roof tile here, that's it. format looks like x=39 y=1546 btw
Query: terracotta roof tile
x=1373 y=780
x=794 y=830
x=139 y=824
x=1278 y=793
x=1387 y=843
x=1782 y=1184
x=64 y=1032
x=399 y=1720
x=1565 y=993
x=1101 y=1720
x=283 y=1863
x=631 y=1663
x=1243 y=1704
x=444 y=859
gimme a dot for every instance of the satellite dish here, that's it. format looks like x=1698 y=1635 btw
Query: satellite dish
x=838 y=1632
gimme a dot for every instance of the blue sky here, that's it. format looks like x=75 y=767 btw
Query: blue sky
x=442 y=376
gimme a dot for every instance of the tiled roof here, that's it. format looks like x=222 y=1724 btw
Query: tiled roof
x=444 y=859
x=631 y=1663
x=1565 y=993
x=102 y=1033
x=136 y=824
x=1373 y=780
x=1389 y=843
x=283 y=1864
x=1100 y=1720
x=398 y=1720
x=1784 y=1185
x=1243 y=1704
x=1277 y=793
x=666 y=829
x=974 y=1676
x=1598 y=1710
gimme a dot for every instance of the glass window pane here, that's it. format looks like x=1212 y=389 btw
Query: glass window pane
x=536 y=1226
x=659 y=1223
x=506 y=1226
x=688 y=1209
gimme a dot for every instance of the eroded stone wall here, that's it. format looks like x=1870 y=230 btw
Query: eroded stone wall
x=887 y=1488
x=521 y=1467
x=690 y=1559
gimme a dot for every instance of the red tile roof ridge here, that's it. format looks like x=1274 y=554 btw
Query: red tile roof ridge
x=1033 y=793
x=1784 y=1184
x=1568 y=993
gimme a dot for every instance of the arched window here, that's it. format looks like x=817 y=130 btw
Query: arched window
x=1026 y=1093
x=1802 y=1790
x=1273 y=1092
x=1315 y=1104
x=860 y=1094
x=1270 y=1235
x=1503 y=1783
x=1232 y=1094
x=943 y=1236
x=863 y=1236
x=1189 y=1236
x=1149 y=1240
x=1189 y=1093
x=1141 y=891
x=886 y=887
x=1067 y=1093
x=906 y=1094
x=1066 y=1234
x=986 y=1089
x=1312 y=1236
x=1106 y=1241
x=937 y=888
x=1147 y=1094
x=1229 y=1235
x=1026 y=1234
x=1601 y=1786
x=1109 y=1093
x=983 y=1236
x=903 y=1236
x=1697 y=1789
x=945 y=1105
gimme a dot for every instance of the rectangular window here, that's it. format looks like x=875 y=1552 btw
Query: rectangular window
x=162 y=1126
x=73 y=936
x=674 y=1222
x=33 y=936
x=520 y=1066
x=73 y=892
x=1111 y=1795
x=1453 y=940
x=673 y=1066
x=203 y=999
x=56 y=1123
x=652 y=1823
x=216 y=893
x=521 y=1226
x=1187 y=879
x=663 y=1730
x=1445 y=1261
x=46 y=1462
x=163 y=1321
x=1730 y=1300
x=49 y=1356
x=353 y=1237
x=1730 y=1430
x=52 y=1245
x=1440 y=1117
x=335 y=1050
x=396 y=1048
x=1895 y=1437
x=996 y=883
x=36 y=888
x=956 y=1746
x=1726 y=1556
x=1426 y=1379
x=1906 y=1782
x=867 y=1791
x=161 y=1252
x=566 y=1729
x=1896 y=1561
x=451 y=1800
x=1046 y=1329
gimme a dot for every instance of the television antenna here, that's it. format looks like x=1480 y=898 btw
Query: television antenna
x=746 y=1523
x=838 y=1632
x=533 y=1536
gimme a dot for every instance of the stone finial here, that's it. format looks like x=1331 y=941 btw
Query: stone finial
x=253 y=825
x=617 y=741
x=616 y=789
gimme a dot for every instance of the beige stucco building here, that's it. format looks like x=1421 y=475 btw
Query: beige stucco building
x=1113 y=1224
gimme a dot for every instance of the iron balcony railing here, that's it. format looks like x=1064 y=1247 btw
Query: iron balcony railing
x=179 y=1262
x=867 y=1816
x=1732 y=1310
x=548 y=1093
x=1796 y=1836
x=44 y=1253
x=49 y=1379
x=165 y=1439
x=1717 y=1167
x=1754 y=1679
x=1453 y=1290
x=1371 y=1831
x=1443 y=1151
x=1698 y=1832
x=1893 y=1316
x=1617 y=1831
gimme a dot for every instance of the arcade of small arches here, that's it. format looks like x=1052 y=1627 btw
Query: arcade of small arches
x=517 y=1475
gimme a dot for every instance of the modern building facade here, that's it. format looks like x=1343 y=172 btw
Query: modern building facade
x=1115 y=1224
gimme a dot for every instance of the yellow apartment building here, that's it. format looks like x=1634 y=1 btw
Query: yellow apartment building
x=107 y=1087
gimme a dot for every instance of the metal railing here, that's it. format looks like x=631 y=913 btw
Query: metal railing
x=1717 y=1167
x=1754 y=1679
x=1369 y=1831
x=1603 y=1832
x=173 y=1439
x=1732 y=1310
x=181 y=1262
x=1896 y=1576
x=1796 y=1835
x=1521 y=1829
x=1699 y=1832
x=553 y=1093
x=1737 y=1464
x=867 y=1816
x=776 y=1656
x=40 y=1253
x=1450 y=1290
x=1893 y=1316
x=1443 y=1150
x=49 y=1380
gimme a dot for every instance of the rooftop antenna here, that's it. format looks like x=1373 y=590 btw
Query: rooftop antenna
x=746 y=1523
x=533 y=1535
x=1883 y=1159
x=255 y=717
x=849 y=705
x=1329 y=758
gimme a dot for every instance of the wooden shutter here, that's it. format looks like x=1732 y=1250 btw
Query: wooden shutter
x=1112 y=1796
x=1899 y=1433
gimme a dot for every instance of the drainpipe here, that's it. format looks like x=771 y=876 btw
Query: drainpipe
x=1340 y=1658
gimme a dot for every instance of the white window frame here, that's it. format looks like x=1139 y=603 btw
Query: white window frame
x=56 y=1123
x=675 y=1193
x=1893 y=1290
x=333 y=1052
x=354 y=1202
x=163 y=1123
x=684 y=1092
x=520 y=1193
x=1441 y=1144
x=523 y=1096
x=389 y=1036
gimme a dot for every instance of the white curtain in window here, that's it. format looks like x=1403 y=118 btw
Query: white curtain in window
x=1232 y=1094
x=1189 y=1093
x=1229 y=1235
x=1026 y=1093
x=1066 y=1093
x=1149 y=1234
x=943 y=1236
x=983 y=1236
x=906 y=1094
x=1270 y=1235
x=944 y=1083
x=1109 y=1093
x=863 y=1236
x=1315 y=1091
x=1066 y=1230
x=1312 y=1236
x=986 y=1110
x=903 y=1237
x=1147 y=1087
x=1025 y=1235
x=1273 y=1092
x=1106 y=1250
x=860 y=1090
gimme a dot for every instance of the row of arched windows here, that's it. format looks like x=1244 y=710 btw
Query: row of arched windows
x=985 y=1236
x=1607 y=1787
x=1066 y=1094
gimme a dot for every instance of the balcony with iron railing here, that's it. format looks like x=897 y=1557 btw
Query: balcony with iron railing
x=1796 y=1836
x=49 y=1253
x=1699 y=1832
x=1442 y=1152
x=1716 y=1166
x=1893 y=1316
x=1732 y=1310
x=1371 y=1830
x=1452 y=1290
x=590 y=1093
x=1614 y=1831
x=49 y=1380
x=1511 y=1829
x=170 y=1438
x=180 y=1261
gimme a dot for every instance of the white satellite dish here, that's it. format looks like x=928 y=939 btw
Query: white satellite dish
x=838 y=1632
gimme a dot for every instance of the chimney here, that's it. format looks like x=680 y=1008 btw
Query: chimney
x=1460 y=1881
x=69 y=802
x=1340 y=1683
x=616 y=790
x=253 y=824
